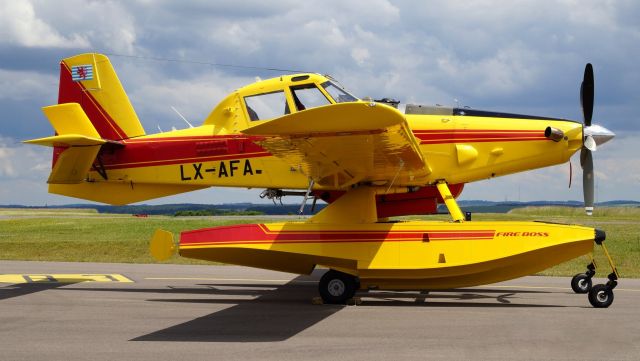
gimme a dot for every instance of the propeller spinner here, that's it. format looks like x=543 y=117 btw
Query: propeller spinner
x=594 y=135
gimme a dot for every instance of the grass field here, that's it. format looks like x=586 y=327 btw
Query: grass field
x=86 y=236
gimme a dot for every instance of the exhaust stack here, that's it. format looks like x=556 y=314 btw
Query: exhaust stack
x=554 y=134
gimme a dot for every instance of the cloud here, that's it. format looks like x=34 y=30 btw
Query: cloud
x=21 y=161
x=108 y=26
x=19 y=24
x=523 y=57
x=6 y=164
x=20 y=85
x=23 y=173
x=360 y=55
x=193 y=89
x=617 y=165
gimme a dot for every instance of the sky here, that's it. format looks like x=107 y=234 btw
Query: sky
x=516 y=56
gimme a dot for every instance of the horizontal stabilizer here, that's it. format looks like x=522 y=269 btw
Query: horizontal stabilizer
x=72 y=126
x=69 y=118
x=66 y=140
x=76 y=133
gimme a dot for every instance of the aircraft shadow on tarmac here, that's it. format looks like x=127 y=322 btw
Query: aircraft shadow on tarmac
x=281 y=312
x=271 y=313
x=23 y=289
x=276 y=314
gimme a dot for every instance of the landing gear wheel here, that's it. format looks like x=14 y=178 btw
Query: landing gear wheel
x=581 y=283
x=337 y=287
x=600 y=296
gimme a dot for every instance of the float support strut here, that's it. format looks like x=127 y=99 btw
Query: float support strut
x=450 y=201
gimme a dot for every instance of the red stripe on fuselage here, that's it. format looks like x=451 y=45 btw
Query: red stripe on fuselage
x=177 y=150
x=476 y=135
x=144 y=152
x=258 y=233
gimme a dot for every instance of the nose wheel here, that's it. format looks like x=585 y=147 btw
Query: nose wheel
x=600 y=295
x=581 y=283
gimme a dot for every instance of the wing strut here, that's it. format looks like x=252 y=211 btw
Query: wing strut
x=450 y=201
x=306 y=196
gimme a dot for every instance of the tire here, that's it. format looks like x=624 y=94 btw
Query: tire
x=581 y=283
x=337 y=287
x=600 y=296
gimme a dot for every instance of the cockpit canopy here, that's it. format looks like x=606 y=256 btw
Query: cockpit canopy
x=276 y=97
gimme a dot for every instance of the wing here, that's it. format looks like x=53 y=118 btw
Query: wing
x=342 y=144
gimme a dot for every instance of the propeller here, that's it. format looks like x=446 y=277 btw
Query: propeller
x=586 y=161
x=594 y=135
x=587 y=94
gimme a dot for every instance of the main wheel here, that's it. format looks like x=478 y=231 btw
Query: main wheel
x=337 y=287
x=581 y=283
x=600 y=296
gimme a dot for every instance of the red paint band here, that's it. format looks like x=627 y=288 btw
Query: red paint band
x=258 y=233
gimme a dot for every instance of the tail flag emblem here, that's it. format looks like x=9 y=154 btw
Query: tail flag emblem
x=82 y=72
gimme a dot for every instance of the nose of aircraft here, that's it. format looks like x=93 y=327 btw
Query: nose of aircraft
x=599 y=134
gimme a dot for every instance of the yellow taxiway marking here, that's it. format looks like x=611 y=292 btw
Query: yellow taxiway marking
x=285 y=280
x=62 y=278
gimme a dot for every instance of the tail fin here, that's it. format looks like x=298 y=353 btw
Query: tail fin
x=93 y=112
x=90 y=81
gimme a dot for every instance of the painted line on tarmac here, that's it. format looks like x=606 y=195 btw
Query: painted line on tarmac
x=224 y=279
x=285 y=280
x=63 y=278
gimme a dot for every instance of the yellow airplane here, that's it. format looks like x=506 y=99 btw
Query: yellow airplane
x=367 y=159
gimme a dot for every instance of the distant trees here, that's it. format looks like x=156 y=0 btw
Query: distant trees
x=216 y=212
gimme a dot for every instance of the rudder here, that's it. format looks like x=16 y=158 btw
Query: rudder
x=91 y=81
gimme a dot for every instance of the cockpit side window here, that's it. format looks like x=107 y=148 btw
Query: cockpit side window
x=338 y=94
x=308 y=96
x=266 y=106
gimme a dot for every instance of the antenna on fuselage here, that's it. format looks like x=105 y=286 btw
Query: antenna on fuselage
x=181 y=116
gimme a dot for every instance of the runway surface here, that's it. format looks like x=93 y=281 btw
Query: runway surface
x=172 y=312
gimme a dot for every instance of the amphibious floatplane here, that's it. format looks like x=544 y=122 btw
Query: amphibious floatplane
x=367 y=159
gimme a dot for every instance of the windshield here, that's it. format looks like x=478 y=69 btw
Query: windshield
x=308 y=96
x=337 y=93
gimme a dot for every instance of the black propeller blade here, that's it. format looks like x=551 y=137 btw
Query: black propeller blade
x=586 y=158
x=587 y=94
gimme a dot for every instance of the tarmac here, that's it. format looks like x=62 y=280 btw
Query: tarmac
x=82 y=311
